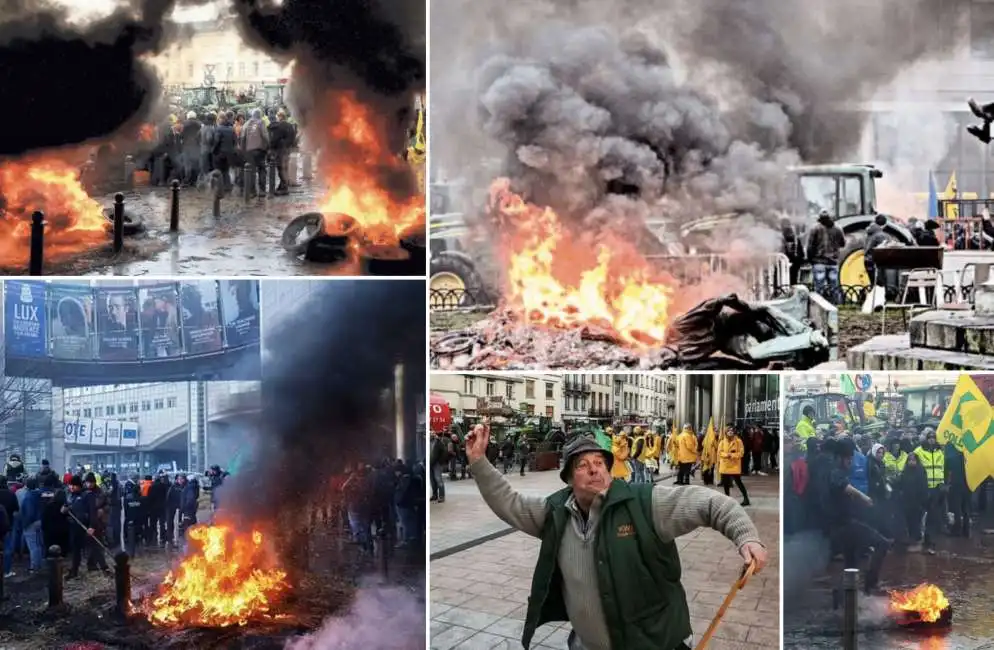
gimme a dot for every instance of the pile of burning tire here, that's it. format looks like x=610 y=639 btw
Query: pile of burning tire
x=336 y=237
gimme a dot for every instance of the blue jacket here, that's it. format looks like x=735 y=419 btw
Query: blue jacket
x=188 y=499
x=31 y=510
x=858 y=475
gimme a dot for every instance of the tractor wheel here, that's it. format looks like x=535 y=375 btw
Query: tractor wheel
x=852 y=269
x=455 y=282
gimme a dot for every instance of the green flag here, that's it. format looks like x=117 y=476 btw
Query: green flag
x=603 y=439
x=848 y=387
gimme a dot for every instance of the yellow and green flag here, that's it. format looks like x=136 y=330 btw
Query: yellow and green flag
x=969 y=425
x=709 y=452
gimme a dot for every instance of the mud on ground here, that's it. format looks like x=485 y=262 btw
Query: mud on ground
x=855 y=327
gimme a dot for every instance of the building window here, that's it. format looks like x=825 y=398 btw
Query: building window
x=529 y=389
x=87 y=413
x=550 y=411
x=133 y=407
x=159 y=403
x=491 y=388
x=171 y=402
x=98 y=412
x=146 y=405
x=549 y=390
x=230 y=70
x=468 y=385
x=76 y=412
x=241 y=69
x=122 y=409
x=509 y=391
x=255 y=69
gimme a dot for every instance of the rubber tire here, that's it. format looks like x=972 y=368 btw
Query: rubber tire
x=327 y=249
x=388 y=260
x=133 y=224
x=415 y=243
x=472 y=282
x=291 y=239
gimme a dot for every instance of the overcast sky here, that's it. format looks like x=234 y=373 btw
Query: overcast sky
x=83 y=10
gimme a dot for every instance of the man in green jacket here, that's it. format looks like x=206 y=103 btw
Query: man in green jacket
x=608 y=563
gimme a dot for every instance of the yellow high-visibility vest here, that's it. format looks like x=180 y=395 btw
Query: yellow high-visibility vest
x=935 y=465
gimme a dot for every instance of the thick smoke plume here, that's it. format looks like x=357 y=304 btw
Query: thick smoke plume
x=325 y=371
x=696 y=107
x=386 y=618
x=65 y=84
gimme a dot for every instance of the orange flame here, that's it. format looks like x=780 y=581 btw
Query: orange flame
x=558 y=279
x=228 y=580
x=146 y=132
x=352 y=176
x=926 y=600
x=74 y=220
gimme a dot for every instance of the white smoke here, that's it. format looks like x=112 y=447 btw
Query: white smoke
x=381 y=617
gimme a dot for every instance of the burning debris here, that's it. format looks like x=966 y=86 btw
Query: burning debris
x=923 y=606
x=227 y=579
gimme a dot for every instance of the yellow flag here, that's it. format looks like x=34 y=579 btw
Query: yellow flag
x=708 y=454
x=950 y=191
x=969 y=425
x=869 y=410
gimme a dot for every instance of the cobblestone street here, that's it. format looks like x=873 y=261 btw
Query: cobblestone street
x=479 y=590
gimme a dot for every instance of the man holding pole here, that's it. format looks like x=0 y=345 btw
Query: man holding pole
x=82 y=509
x=608 y=548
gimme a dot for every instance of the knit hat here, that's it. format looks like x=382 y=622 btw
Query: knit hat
x=580 y=446
x=76 y=480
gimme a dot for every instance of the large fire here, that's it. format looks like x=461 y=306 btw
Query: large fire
x=228 y=579
x=559 y=278
x=51 y=185
x=926 y=601
x=353 y=184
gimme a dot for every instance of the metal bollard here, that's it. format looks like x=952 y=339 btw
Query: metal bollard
x=307 y=163
x=291 y=168
x=129 y=172
x=248 y=181
x=174 y=208
x=272 y=177
x=118 y=222
x=850 y=585
x=37 y=243
x=122 y=584
x=218 y=181
x=55 y=582
x=129 y=539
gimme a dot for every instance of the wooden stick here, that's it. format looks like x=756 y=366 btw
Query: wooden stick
x=747 y=572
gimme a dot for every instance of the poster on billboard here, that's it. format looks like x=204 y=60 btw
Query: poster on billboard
x=69 y=430
x=25 y=326
x=159 y=319
x=113 y=433
x=129 y=434
x=117 y=324
x=78 y=431
x=240 y=311
x=70 y=317
x=200 y=316
x=98 y=433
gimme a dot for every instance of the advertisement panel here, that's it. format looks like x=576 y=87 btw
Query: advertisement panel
x=78 y=431
x=129 y=434
x=25 y=326
x=200 y=316
x=98 y=432
x=117 y=324
x=159 y=318
x=240 y=311
x=71 y=319
x=113 y=434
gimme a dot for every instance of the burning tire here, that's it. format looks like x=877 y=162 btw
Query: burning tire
x=133 y=224
x=388 y=260
x=301 y=231
x=414 y=242
x=455 y=282
x=319 y=237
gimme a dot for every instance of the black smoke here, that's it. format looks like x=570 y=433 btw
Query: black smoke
x=325 y=371
x=65 y=84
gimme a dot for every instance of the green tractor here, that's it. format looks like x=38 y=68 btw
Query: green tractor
x=828 y=407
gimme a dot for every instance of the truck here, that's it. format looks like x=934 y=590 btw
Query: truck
x=459 y=274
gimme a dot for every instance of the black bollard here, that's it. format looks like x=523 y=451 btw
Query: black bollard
x=174 y=208
x=37 y=243
x=122 y=583
x=248 y=181
x=54 y=576
x=272 y=177
x=218 y=183
x=118 y=222
x=129 y=172
x=129 y=539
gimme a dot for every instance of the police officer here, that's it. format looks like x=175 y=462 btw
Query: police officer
x=188 y=505
x=54 y=527
x=112 y=489
x=173 y=499
x=82 y=506
x=134 y=514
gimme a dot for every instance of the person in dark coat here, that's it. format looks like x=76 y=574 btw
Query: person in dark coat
x=281 y=140
x=157 y=510
x=8 y=501
x=82 y=513
x=224 y=150
x=408 y=492
x=959 y=490
x=112 y=488
x=174 y=499
x=189 y=500
x=54 y=524
x=912 y=490
x=190 y=139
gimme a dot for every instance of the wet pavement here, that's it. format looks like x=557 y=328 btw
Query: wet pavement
x=963 y=569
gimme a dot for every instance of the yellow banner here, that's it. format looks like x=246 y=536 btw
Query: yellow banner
x=709 y=452
x=969 y=425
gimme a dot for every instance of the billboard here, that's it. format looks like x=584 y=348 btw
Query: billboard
x=240 y=311
x=117 y=324
x=25 y=326
x=100 y=433
x=70 y=312
x=159 y=318
x=200 y=317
